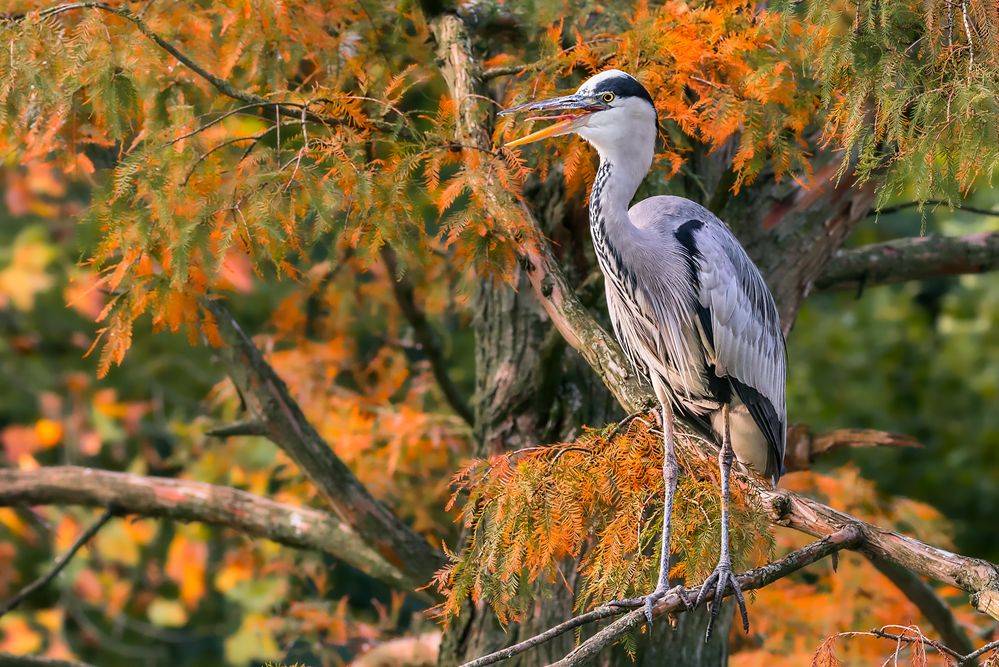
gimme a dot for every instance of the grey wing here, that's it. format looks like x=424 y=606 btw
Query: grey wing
x=742 y=329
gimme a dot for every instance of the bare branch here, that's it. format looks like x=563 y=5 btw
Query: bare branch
x=245 y=427
x=803 y=448
x=184 y=500
x=888 y=210
x=586 y=652
x=11 y=660
x=60 y=563
x=812 y=517
x=430 y=342
x=559 y=300
x=672 y=603
x=911 y=259
x=929 y=603
x=270 y=403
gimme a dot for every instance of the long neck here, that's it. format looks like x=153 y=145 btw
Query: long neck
x=614 y=235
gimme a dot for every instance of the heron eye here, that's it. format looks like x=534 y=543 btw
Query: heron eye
x=607 y=97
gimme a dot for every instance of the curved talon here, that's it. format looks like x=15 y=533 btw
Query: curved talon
x=649 y=601
x=721 y=579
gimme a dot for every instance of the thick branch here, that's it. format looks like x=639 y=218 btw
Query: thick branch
x=812 y=517
x=270 y=403
x=183 y=500
x=559 y=300
x=430 y=342
x=911 y=259
x=60 y=563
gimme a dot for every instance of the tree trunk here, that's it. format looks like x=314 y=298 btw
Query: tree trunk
x=531 y=388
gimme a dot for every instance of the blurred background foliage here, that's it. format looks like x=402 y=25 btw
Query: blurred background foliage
x=917 y=358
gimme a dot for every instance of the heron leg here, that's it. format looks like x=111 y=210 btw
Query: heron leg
x=723 y=577
x=671 y=474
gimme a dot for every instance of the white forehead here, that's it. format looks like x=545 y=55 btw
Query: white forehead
x=591 y=84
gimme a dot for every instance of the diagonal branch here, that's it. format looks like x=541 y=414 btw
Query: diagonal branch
x=270 y=403
x=60 y=563
x=672 y=604
x=184 y=500
x=920 y=258
x=430 y=342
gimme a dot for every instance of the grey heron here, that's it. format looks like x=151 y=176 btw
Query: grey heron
x=690 y=309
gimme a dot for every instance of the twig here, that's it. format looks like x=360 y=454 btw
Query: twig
x=929 y=604
x=244 y=427
x=549 y=634
x=919 y=638
x=930 y=202
x=11 y=660
x=59 y=563
x=429 y=339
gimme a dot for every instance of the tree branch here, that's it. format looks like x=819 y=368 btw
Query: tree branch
x=244 y=427
x=59 y=564
x=812 y=517
x=184 y=500
x=765 y=575
x=270 y=403
x=888 y=210
x=430 y=342
x=929 y=603
x=12 y=660
x=296 y=110
x=559 y=300
x=900 y=260
x=803 y=448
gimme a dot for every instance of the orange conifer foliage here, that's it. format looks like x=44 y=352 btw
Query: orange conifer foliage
x=598 y=499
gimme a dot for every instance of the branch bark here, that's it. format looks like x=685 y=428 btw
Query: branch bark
x=812 y=517
x=268 y=400
x=184 y=500
x=901 y=260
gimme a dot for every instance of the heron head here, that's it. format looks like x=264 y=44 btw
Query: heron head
x=611 y=110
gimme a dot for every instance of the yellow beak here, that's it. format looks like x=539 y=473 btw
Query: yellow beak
x=553 y=130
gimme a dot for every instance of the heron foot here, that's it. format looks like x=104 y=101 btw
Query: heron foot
x=720 y=580
x=649 y=601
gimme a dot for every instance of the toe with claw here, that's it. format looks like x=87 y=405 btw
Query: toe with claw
x=720 y=581
x=649 y=601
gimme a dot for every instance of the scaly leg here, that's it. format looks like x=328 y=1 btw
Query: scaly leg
x=723 y=577
x=671 y=473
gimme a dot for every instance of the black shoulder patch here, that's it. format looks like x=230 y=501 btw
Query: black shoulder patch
x=624 y=86
x=685 y=236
